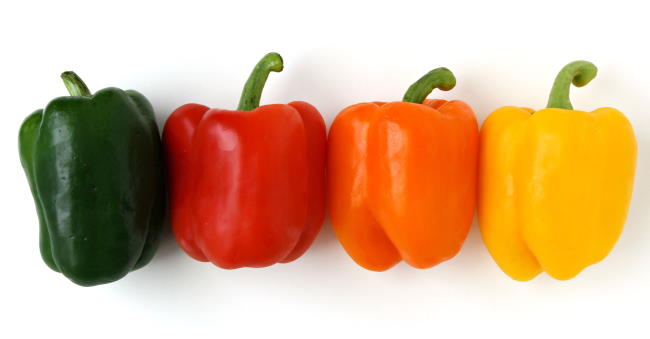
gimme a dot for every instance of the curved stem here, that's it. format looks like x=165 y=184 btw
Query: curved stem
x=74 y=84
x=250 y=96
x=440 y=78
x=579 y=73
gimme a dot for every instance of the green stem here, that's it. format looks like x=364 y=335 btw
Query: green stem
x=74 y=84
x=250 y=96
x=440 y=78
x=579 y=73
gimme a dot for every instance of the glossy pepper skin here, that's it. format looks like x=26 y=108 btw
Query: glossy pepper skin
x=94 y=166
x=555 y=184
x=402 y=177
x=247 y=187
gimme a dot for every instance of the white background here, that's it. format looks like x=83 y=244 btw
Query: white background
x=336 y=54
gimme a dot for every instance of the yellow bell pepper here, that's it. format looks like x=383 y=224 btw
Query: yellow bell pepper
x=554 y=185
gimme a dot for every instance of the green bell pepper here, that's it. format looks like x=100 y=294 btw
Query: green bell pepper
x=94 y=166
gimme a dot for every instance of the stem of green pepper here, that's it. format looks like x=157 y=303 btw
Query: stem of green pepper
x=250 y=96
x=579 y=73
x=74 y=84
x=440 y=78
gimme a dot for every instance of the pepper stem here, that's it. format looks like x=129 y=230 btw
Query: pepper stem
x=579 y=73
x=250 y=96
x=74 y=84
x=440 y=78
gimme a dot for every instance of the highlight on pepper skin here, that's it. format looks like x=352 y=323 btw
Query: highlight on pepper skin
x=555 y=184
x=402 y=177
x=246 y=186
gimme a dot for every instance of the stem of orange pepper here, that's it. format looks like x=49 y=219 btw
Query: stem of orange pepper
x=250 y=96
x=440 y=78
x=579 y=73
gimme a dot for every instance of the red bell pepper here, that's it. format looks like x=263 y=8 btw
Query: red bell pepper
x=247 y=187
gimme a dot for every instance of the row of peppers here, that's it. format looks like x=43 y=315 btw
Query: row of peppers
x=248 y=187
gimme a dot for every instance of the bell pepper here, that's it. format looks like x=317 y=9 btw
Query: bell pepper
x=402 y=177
x=555 y=184
x=94 y=166
x=246 y=186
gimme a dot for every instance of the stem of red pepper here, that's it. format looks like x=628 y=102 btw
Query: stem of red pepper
x=440 y=78
x=250 y=96
x=74 y=84
x=579 y=73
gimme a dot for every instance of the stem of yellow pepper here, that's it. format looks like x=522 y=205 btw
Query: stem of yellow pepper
x=579 y=73
x=440 y=78
x=74 y=84
x=250 y=96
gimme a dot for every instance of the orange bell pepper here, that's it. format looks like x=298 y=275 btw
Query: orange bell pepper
x=402 y=177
